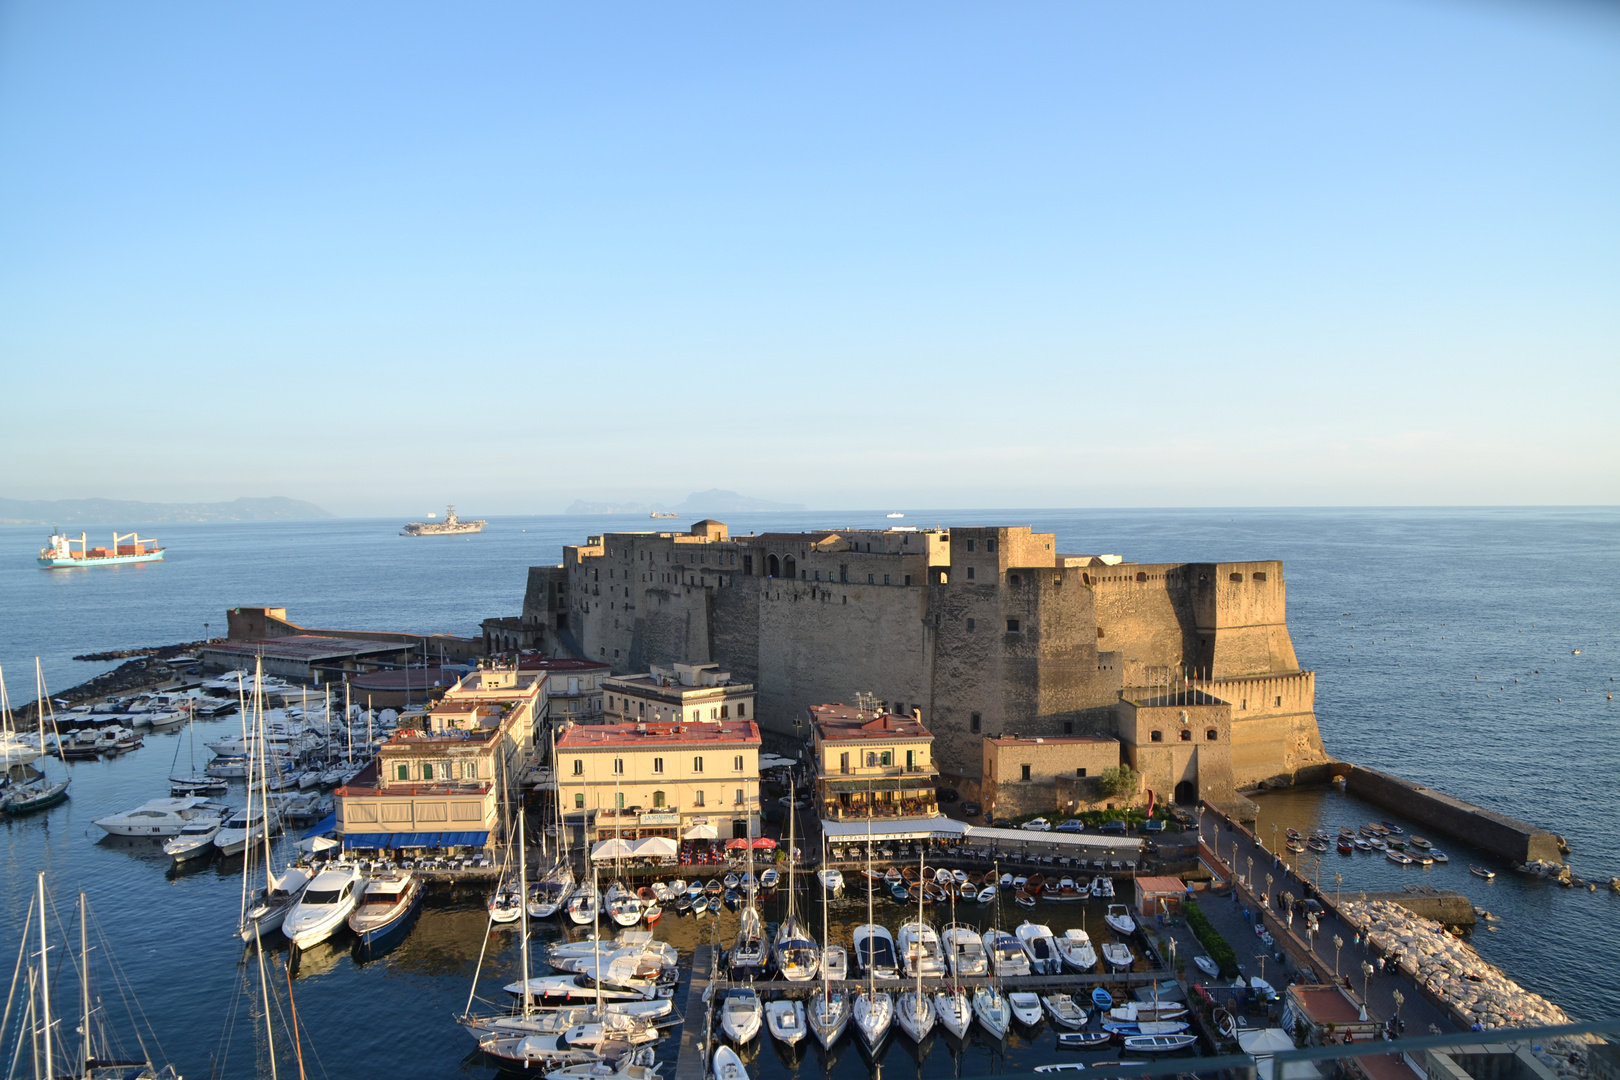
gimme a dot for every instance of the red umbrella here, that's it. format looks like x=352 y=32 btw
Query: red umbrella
x=736 y=844
x=764 y=842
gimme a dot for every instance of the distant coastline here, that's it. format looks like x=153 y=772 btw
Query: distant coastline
x=119 y=512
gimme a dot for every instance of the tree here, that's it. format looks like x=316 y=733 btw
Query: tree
x=1116 y=782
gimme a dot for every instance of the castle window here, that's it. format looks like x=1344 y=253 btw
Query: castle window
x=1025 y=769
x=1186 y=736
x=1068 y=727
x=1243 y=703
x=970 y=624
x=1100 y=632
x=843 y=572
x=970 y=573
x=818 y=575
x=1080 y=774
x=1259 y=575
x=1279 y=703
x=885 y=579
x=748 y=565
x=1235 y=577
x=1016 y=579
x=973 y=722
x=1212 y=735
x=990 y=544
x=1157 y=736
x=1012 y=626
x=871 y=579
x=970 y=545
x=908 y=579
x=1141 y=575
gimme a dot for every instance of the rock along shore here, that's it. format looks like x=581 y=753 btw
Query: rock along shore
x=148 y=668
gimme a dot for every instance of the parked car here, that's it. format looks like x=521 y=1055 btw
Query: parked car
x=948 y=794
x=1309 y=907
x=971 y=809
x=1040 y=824
x=1113 y=828
x=1072 y=825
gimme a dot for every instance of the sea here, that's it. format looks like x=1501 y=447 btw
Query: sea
x=1473 y=650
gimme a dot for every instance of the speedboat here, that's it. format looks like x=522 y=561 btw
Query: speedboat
x=324 y=905
x=1119 y=919
x=195 y=839
x=1102 y=887
x=786 y=1020
x=1042 y=950
x=727 y=1065
x=964 y=950
x=919 y=950
x=990 y=1006
x=242 y=829
x=270 y=905
x=873 y=1013
x=835 y=963
x=915 y=1014
x=954 y=1011
x=828 y=1015
x=387 y=904
x=832 y=880
x=1007 y=955
x=1118 y=955
x=1062 y=1009
x=741 y=1014
x=1076 y=950
x=1208 y=966
x=1026 y=1008
x=160 y=817
x=874 y=951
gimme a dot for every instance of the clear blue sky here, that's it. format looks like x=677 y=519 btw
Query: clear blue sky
x=850 y=255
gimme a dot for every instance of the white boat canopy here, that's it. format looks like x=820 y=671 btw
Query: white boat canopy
x=938 y=827
x=702 y=832
x=653 y=847
x=944 y=828
x=615 y=848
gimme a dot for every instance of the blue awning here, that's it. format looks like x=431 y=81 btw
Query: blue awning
x=416 y=840
x=367 y=840
x=324 y=826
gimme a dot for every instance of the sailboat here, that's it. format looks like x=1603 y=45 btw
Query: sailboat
x=748 y=951
x=507 y=903
x=989 y=1004
x=548 y=895
x=916 y=1012
x=97 y=1055
x=14 y=748
x=828 y=1011
x=795 y=953
x=24 y=788
x=264 y=911
x=953 y=1008
x=873 y=1011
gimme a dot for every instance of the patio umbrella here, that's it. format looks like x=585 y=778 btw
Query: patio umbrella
x=653 y=847
x=702 y=832
x=615 y=848
x=313 y=844
x=764 y=842
x=736 y=844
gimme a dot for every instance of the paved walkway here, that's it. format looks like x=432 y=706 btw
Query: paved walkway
x=1234 y=916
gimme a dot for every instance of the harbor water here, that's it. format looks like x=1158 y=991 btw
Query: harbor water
x=1444 y=641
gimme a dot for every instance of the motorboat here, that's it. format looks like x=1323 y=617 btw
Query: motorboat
x=954 y=1011
x=270 y=905
x=786 y=1020
x=1007 y=955
x=324 y=906
x=1102 y=887
x=194 y=840
x=832 y=880
x=835 y=963
x=1119 y=919
x=1041 y=947
x=964 y=950
x=874 y=951
x=1062 y=1009
x=546 y=1052
x=628 y=1068
x=827 y=1015
x=727 y=1065
x=872 y=1014
x=1481 y=872
x=388 y=903
x=915 y=1014
x=1208 y=966
x=741 y=1014
x=550 y=990
x=1026 y=1008
x=1118 y=955
x=1074 y=948
x=1159 y=1044
x=918 y=946
x=160 y=817
x=244 y=827
x=990 y=1006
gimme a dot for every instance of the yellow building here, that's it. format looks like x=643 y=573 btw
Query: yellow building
x=441 y=784
x=689 y=692
x=675 y=779
x=871 y=763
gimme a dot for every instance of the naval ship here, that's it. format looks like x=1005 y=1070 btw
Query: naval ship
x=450 y=526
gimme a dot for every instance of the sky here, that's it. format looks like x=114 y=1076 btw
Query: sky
x=386 y=256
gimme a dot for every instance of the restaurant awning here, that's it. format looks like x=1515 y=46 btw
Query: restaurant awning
x=883 y=829
x=382 y=841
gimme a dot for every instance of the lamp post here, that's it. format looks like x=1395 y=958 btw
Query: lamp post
x=1274 y=849
x=1249 y=880
x=1338 y=943
x=1400 y=999
x=1366 y=976
x=1235 y=898
x=1338 y=883
x=1268 y=890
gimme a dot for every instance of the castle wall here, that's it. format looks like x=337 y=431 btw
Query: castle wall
x=1274 y=732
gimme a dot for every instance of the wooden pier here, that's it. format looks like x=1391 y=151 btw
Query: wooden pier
x=692 y=1063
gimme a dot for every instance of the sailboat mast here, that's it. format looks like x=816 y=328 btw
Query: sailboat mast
x=523 y=902
x=826 y=978
x=247 y=740
x=596 y=937
x=264 y=772
x=44 y=977
x=922 y=894
x=84 y=984
x=269 y=1024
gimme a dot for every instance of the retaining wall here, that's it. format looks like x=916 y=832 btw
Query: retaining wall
x=1506 y=837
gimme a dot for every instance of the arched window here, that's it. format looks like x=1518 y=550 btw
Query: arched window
x=1212 y=735
x=1186 y=736
x=658 y=798
x=773 y=568
x=790 y=567
x=1157 y=736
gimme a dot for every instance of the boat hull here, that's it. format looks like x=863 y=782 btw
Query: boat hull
x=52 y=563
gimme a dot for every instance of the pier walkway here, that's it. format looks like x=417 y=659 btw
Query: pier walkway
x=692 y=1063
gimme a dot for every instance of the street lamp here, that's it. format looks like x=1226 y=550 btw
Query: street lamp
x=1250 y=878
x=1400 y=999
x=1274 y=849
x=1268 y=890
x=1235 y=898
x=1338 y=943
x=1366 y=975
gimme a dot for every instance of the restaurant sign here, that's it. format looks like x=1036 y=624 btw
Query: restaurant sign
x=661 y=818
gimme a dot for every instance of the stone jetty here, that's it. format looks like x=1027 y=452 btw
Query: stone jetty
x=1451 y=970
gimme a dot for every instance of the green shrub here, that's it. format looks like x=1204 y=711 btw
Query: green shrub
x=1211 y=939
x=1121 y=780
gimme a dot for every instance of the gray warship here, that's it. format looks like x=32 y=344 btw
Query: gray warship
x=450 y=526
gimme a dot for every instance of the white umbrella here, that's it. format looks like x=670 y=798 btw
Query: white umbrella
x=616 y=848
x=654 y=847
x=312 y=844
x=702 y=832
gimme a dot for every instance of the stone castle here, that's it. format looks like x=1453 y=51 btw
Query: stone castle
x=981 y=631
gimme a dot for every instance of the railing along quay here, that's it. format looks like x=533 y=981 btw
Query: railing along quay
x=1066 y=980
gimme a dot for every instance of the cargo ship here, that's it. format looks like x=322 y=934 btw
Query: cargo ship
x=450 y=526
x=60 y=553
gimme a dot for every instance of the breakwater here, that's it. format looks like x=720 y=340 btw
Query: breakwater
x=1444 y=906
x=1501 y=835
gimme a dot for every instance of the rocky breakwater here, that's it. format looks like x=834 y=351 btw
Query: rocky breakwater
x=1477 y=992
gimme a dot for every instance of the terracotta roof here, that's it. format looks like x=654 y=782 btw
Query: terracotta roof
x=1161 y=884
x=1020 y=740
x=652 y=733
x=838 y=721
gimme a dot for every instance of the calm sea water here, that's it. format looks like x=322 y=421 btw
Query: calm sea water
x=1444 y=643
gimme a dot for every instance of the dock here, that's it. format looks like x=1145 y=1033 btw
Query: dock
x=692 y=1062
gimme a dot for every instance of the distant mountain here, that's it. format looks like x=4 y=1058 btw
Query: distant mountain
x=697 y=504
x=127 y=512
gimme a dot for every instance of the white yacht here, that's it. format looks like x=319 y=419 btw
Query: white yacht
x=727 y=1065
x=785 y=1019
x=873 y=1013
x=622 y=906
x=582 y=906
x=828 y=1015
x=241 y=829
x=324 y=906
x=1026 y=1008
x=194 y=840
x=1119 y=919
x=915 y=1014
x=835 y=963
x=919 y=950
x=964 y=949
x=160 y=817
x=1064 y=1011
x=1007 y=955
x=1076 y=950
x=954 y=1011
x=741 y=1014
x=874 y=951
x=1041 y=947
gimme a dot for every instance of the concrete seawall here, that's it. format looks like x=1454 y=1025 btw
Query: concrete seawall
x=1506 y=837
x=1442 y=905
